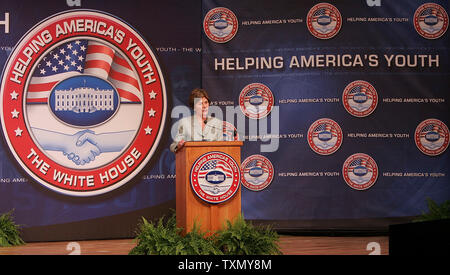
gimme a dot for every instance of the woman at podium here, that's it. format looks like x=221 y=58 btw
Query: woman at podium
x=200 y=126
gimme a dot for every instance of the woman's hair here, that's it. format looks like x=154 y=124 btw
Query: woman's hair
x=198 y=93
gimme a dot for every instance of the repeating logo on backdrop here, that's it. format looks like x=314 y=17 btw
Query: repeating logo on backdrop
x=256 y=100
x=360 y=171
x=257 y=172
x=432 y=137
x=220 y=25
x=324 y=21
x=360 y=98
x=324 y=136
x=215 y=177
x=431 y=20
x=68 y=92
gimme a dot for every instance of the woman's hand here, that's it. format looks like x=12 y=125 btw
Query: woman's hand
x=180 y=145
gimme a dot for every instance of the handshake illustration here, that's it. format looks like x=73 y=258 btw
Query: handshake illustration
x=83 y=146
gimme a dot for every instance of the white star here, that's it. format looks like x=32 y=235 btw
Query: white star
x=54 y=68
x=66 y=67
x=73 y=63
x=74 y=52
x=151 y=113
x=152 y=95
x=67 y=57
x=60 y=62
x=83 y=48
x=56 y=56
x=18 y=132
x=78 y=42
x=79 y=68
x=148 y=130
x=15 y=114
x=62 y=51
x=80 y=58
x=48 y=63
x=69 y=46
x=14 y=95
x=42 y=71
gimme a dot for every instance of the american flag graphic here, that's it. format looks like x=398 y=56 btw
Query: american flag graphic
x=256 y=163
x=430 y=11
x=432 y=128
x=325 y=127
x=83 y=57
x=359 y=162
x=255 y=92
x=215 y=165
x=321 y=12
x=220 y=16
x=360 y=90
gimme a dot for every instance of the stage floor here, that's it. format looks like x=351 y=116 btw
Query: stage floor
x=289 y=245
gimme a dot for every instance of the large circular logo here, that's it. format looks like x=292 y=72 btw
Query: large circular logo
x=220 y=25
x=324 y=21
x=215 y=177
x=324 y=136
x=432 y=137
x=83 y=102
x=360 y=98
x=431 y=20
x=256 y=100
x=360 y=171
x=257 y=172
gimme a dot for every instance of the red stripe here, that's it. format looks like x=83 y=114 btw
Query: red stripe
x=99 y=64
x=36 y=100
x=130 y=96
x=122 y=62
x=100 y=49
x=124 y=78
x=42 y=87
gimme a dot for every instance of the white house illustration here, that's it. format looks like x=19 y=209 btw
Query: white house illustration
x=84 y=100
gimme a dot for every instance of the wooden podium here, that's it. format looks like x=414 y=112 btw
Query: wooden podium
x=190 y=206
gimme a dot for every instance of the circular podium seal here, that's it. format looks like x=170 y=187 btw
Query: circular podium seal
x=215 y=177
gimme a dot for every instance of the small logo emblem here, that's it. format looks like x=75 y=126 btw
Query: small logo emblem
x=257 y=172
x=432 y=137
x=256 y=100
x=360 y=171
x=215 y=177
x=324 y=21
x=431 y=21
x=324 y=136
x=360 y=98
x=220 y=25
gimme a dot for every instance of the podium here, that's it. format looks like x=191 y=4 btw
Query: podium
x=208 y=184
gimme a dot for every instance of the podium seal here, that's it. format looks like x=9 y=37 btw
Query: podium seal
x=215 y=177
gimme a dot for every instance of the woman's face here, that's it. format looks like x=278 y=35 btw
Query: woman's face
x=201 y=107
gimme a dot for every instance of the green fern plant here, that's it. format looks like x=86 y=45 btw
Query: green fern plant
x=9 y=231
x=197 y=243
x=157 y=239
x=237 y=238
x=165 y=239
x=242 y=238
x=435 y=211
